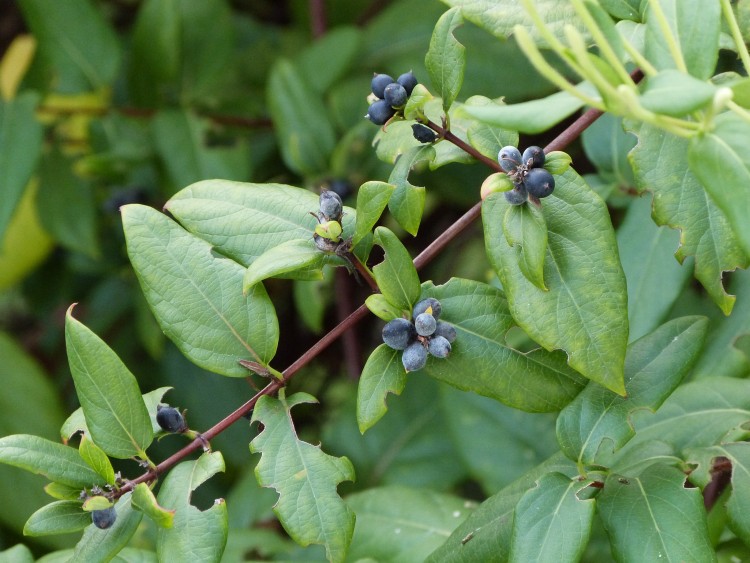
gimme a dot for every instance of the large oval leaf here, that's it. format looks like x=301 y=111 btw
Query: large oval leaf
x=197 y=296
x=585 y=310
x=446 y=57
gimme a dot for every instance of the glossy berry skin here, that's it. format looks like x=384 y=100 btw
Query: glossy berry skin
x=380 y=112
x=395 y=95
x=439 y=347
x=408 y=81
x=425 y=324
x=446 y=330
x=170 y=419
x=331 y=206
x=509 y=158
x=517 y=196
x=533 y=157
x=399 y=333
x=423 y=134
x=378 y=84
x=414 y=357
x=103 y=519
x=539 y=182
x=422 y=306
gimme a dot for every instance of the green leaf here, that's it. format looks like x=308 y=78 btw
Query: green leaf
x=606 y=145
x=180 y=139
x=303 y=476
x=585 y=310
x=283 y=261
x=661 y=164
x=486 y=534
x=19 y=553
x=415 y=106
x=304 y=132
x=243 y=221
x=551 y=523
x=557 y=162
x=720 y=159
x=372 y=197
x=115 y=413
x=396 y=276
x=100 y=546
x=145 y=501
x=526 y=231
x=383 y=374
x=195 y=534
x=677 y=94
x=697 y=38
x=61 y=517
x=382 y=308
x=197 y=296
x=407 y=201
x=96 y=459
x=654 y=367
x=21 y=142
x=96 y=502
x=323 y=63
x=63 y=492
x=488 y=140
x=482 y=362
x=446 y=58
x=653 y=517
x=623 y=9
x=403 y=524
x=76 y=41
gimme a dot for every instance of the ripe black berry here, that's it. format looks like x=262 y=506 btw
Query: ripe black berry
x=533 y=157
x=170 y=419
x=446 y=330
x=425 y=324
x=423 y=134
x=425 y=304
x=408 y=81
x=395 y=95
x=414 y=357
x=331 y=206
x=439 y=347
x=517 y=195
x=380 y=112
x=539 y=182
x=509 y=158
x=399 y=333
x=378 y=84
x=103 y=519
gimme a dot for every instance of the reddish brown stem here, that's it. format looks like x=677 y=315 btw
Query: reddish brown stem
x=318 y=18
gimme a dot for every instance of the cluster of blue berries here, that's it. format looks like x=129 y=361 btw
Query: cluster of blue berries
x=527 y=172
x=391 y=95
x=425 y=335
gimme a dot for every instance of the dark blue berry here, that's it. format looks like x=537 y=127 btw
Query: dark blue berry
x=103 y=519
x=422 y=306
x=517 y=195
x=446 y=330
x=408 y=81
x=539 y=182
x=395 y=95
x=533 y=157
x=423 y=134
x=170 y=419
x=425 y=324
x=380 y=112
x=378 y=84
x=399 y=333
x=414 y=357
x=439 y=347
x=331 y=206
x=509 y=158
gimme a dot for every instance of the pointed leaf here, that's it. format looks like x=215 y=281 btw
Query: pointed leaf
x=305 y=478
x=526 y=231
x=677 y=94
x=372 y=198
x=61 y=517
x=383 y=374
x=283 y=261
x=682 y=203
x=382 y=308
x=488 y=139
x=195 y=535
x=114 y=410
x=407 y=201
x=99 y=546
x=197 y=296
x=585 y=310
x=396 y=276
x=63 y=492
x=145 y=501
x=481 y=360
x=654 y=517
x=96 y=459
x=446 y=57
x=551 y=523
x=654 y=367
x=19 y=553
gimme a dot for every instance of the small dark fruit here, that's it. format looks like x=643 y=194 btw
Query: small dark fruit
x=446 y=330
x=439 y=347
x=425 y=304
x=408 y=81
x=425 y=324
x=423 y=134
x=399 y=333
x=509 y=158
x=170 y=419
x=331 y=206
x=380 y=112
x=378 y=84
x=414 y=357
x=395 y=95
x=533 y=157
x=103 y=519
x=539 y=182
x=517 y=195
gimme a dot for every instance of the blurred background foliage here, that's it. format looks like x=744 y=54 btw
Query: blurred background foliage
x=108 y=102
